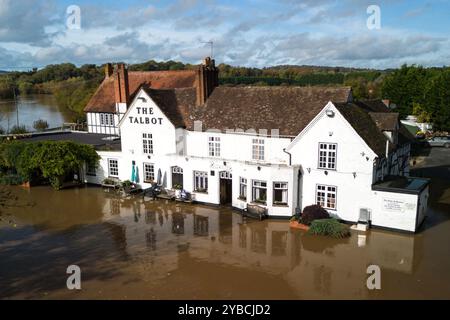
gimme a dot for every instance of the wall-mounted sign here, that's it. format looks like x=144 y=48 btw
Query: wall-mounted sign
x=146 y=116
x=394 y=205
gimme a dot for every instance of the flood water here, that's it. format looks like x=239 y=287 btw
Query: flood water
x=131 y=249
x=32 y=108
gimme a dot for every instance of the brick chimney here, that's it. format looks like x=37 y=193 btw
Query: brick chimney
x=121 y=89
x=108 y=70
x=207 y=80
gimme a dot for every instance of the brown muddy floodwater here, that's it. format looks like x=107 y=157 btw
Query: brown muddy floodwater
x=131 y=249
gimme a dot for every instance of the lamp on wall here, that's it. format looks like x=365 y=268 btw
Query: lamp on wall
x=309 y=170
x=330 y=113
x=354 y=174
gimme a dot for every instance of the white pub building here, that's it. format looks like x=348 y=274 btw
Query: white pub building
x=279 y=148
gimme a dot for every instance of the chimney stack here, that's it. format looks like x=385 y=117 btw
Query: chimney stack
x=121 y=89
x=108 y=70
x=207 y=80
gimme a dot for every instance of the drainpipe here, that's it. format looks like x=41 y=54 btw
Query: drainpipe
x=290 y=156
x=387 y=149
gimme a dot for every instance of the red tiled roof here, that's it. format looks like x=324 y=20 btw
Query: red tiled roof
x=103 y=99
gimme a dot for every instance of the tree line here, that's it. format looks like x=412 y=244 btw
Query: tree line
x=415 y=89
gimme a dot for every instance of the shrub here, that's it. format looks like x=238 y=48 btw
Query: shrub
x=2 y=131
x=11 y=179
x=40 y=125
x=313 y=212
x=330 y=228
x=17 y=129
x=47 y=160
x=126 y=183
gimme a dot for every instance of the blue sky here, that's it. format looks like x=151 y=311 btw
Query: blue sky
x=248 y=33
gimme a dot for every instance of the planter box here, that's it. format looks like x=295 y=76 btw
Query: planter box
x=298 y=225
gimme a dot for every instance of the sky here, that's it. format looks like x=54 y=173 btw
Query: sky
x=252 y=33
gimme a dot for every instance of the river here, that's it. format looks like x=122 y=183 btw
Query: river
x=32 y=108
x=135 y=249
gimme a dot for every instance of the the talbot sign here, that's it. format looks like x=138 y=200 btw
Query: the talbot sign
x=145 y=116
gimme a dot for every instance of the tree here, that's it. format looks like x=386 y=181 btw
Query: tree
x=437 y=100
x=18 y=129
x=50 y=160
x=405 y=86
x=422 y=115
x=359 y=87
x=40 y=125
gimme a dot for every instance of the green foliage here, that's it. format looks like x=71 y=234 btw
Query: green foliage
x=405 y=86
x=437 y=100
x=413 y=85
x=74 y=94
x=359 y=87
x=7 y=87
x=420 y=112
x=25 y=87
x=330 y=228
x=11 y=179
x=40 y=125
x=126 y=183
x=51 y=160
x=312 y=213
x=18 y=129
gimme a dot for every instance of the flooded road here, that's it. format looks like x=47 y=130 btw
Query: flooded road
x=131 y=249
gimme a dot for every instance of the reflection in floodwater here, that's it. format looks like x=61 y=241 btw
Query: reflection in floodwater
x=128 y=248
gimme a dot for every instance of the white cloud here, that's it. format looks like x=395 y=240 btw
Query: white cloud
x=295 y=32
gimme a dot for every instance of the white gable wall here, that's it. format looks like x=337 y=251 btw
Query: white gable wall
x=152 y=121
x=353 y=192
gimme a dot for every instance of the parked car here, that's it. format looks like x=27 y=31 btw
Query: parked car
x=443 y=141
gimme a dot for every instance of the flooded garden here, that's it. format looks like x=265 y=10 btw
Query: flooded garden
x=136 y=249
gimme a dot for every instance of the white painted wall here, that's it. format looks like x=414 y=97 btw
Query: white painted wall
x=394 y=210
x=354 y=166
x=189 y=150
x=237 y=146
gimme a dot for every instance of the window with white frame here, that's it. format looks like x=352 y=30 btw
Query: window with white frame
x=149 y=172
x=326 y=196
x=327 y=156
x=113 y=168
x=280 y=193
x=214 y=146
x=200 y=181
x=243 y=188
x=258 y=149
x=147 y=143
x=259 y=191
x=106 y=119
